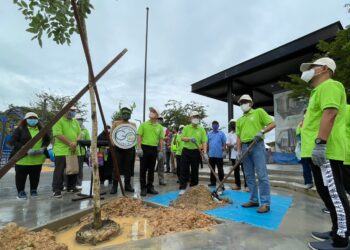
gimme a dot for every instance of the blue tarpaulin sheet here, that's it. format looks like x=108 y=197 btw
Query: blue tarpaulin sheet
x=284 y=158
x=234 y=212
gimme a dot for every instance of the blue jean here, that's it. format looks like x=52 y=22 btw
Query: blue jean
x=306 y=170
x=255 y=161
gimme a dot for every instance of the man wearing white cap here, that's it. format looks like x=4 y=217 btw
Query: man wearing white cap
x=85 y=135
x=323 y=141
x=252 y=126
x=150 y=134
x=194 y=137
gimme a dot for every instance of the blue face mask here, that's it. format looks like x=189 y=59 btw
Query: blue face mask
x=71 y=114
x=215 y=127
x=32 y=122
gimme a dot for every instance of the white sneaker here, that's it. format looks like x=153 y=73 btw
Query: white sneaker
x=106 y=183
x=309 y=186
x=182 y=191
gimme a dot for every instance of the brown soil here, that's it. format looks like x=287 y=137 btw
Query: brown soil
x=198 y=197
x=13 y=237
x=162 y=220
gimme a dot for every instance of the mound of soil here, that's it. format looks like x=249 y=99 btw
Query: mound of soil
x=13 y=237
x=198 y=197
x=162 y=220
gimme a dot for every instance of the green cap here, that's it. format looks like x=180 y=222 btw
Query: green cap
x=125 y=110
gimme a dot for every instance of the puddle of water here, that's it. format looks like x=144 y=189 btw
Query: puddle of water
x=130 y=229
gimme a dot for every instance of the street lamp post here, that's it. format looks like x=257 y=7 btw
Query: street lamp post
x=145 y=74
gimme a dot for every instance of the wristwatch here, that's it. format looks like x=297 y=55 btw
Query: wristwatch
x=320 y=141
x=262 y=131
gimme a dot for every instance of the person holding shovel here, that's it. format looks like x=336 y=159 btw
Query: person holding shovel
x=324 y=141
x=194 y=137
x=250 y=128
x=66 y=133
x=149 y=135
x=216 y=144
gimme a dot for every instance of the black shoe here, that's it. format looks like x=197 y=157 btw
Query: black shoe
x=143 y=191
x=325 y=210
x=325 y=245
x=114 y=189
x=57 y=194
x=129 y=188
x=162 y=183
x=321 y=236
x=168 y=171
x=211 y=185
x=152 y=191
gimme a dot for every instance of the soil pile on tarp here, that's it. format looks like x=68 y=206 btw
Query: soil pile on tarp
x=162 y=220
x=13 y=237
x=198 y=197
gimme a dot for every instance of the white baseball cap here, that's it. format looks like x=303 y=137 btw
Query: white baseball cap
x=324 y=61
x=31 y=114
x=79 y=117
x=194 y=113
x=153 y=109
x=181 y=126
x=245 y=97
x=232 y=120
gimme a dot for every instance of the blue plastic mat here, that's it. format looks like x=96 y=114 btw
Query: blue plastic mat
x=234 y=212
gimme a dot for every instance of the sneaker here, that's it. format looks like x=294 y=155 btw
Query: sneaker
x=321 y=236
x=106 y=183
x=129 y=188
x=309 y=186
x=22 y=195
x=152 y=190
x=73 y=190
x=143 y=191
x=246 y=189
x=57 y=194
x=325 y=245
x=263 y=209
x=79 y=188
x=33 y=193
x=162 y=183
x=211 y=185
x=114 y=189
x=235 y=187
x=182 y=191
x=250 y=204
x=325 y=210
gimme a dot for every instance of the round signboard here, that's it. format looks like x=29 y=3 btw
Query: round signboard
x=124 y=136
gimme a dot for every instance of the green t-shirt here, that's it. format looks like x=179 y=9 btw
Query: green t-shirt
x=70 y=128
x=197 y=132
x=251 y=123
x=329 y=94
x=347 y=135
x=151 y=133
x=84 y=136
x=179 y=144
x=33 y=159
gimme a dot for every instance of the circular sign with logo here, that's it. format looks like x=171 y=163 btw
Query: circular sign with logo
x=124 y=136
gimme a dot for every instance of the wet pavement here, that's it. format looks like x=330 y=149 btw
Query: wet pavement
x=303 y=217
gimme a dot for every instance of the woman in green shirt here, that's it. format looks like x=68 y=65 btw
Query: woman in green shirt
x=31 y=163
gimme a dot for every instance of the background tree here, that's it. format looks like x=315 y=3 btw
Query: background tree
x=176 y=114
x=117 y=114
x=337 y=49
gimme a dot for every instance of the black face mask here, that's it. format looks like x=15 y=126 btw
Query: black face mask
x=233 y=127
x=125 y=116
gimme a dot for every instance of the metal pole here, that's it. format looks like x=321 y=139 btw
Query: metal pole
x=229 y=101
x=145 y=73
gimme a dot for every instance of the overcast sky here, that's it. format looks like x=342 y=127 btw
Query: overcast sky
x=188 y=41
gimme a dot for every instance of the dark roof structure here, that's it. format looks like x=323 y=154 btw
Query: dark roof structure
x=259 y=76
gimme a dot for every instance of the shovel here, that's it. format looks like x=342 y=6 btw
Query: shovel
x=238 y=162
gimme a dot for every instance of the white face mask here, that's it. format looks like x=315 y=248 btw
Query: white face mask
x=195 y=121
x=308 y=75
x=245 y=107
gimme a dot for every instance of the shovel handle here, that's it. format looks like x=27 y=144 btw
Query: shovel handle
x=238 y=162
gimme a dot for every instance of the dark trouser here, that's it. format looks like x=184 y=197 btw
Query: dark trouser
x=168 y=156
x=22 y=171
x=178 y=166
x=219 y=162
x=190 y=158
x=125 y=160
x=306 y=170
x=80 y=174
x=147 y=164
x=346 y=177
x=237 y=174
x=58 y=175
x=334 y=197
